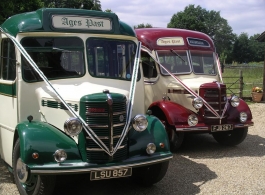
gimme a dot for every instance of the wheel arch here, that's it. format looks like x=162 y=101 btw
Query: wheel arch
x=171 y=111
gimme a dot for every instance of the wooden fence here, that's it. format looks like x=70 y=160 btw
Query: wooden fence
x=239 y=87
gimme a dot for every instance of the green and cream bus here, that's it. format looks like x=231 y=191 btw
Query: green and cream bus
x=72 y=101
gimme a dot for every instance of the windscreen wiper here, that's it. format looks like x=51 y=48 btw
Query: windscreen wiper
x=177 y=55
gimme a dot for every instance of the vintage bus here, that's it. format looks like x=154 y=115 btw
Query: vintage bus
x=69 y=83
x=184 y=87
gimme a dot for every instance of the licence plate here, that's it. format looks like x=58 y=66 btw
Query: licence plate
x=226 y=127
x=111 y=173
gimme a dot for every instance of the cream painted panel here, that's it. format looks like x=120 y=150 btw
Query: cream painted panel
x=8 y=122
x=6 y=144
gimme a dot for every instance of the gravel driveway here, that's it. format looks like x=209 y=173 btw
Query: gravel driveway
x=202 y=166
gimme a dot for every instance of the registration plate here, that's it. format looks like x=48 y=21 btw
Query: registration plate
x=225 y=127
x=111 y=173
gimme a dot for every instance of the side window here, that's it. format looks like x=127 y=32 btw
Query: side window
x=148 y=65
x=8 y=60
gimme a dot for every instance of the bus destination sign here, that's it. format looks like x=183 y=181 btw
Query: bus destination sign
x=198 y=42
x=170 y=41
x=81 y=23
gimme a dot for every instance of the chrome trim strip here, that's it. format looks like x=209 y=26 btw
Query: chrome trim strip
x=87 y=170
x=243 y=125
x=100 y=137
x=193 y=128
x=119 y=124
x=103 y=113
x=96 y=114
x=212 y=117
x=99 y=149
x=99 y=126
x=104 y=137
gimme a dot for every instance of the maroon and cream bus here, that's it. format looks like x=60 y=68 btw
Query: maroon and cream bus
x=184 y=87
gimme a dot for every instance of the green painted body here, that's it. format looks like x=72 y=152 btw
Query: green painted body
x=8 y=89
x=39 y=21
x=45 y=139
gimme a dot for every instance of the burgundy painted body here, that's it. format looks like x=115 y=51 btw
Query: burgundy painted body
x=213 y=93
x=149 y=36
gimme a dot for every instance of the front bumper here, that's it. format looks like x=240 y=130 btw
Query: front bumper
x=207 y=128
x=78 y=167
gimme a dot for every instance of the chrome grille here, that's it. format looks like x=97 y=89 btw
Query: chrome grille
x=215 y=96
x=107 y=122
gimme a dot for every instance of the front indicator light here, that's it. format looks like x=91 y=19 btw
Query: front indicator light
x=139 y=122
x=60 y=156
x=151 y=148
x=243 y=117
x=192 y=120
x=72 y=126
x=234 y=101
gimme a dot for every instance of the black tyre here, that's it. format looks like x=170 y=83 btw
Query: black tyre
x=231 y=138
x=149 y=175
x=175 y=139
x=35 y=184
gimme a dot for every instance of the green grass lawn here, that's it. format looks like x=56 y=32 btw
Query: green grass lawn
x=251 y=77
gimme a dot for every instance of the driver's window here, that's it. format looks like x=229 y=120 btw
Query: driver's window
x=148 y=66
x=8 y=60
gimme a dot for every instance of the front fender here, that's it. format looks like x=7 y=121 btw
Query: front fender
x=44 y=139
x=155 y=133
x=233 y=112
x=174 y=113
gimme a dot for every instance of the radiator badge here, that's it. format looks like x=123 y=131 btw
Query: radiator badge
x=121 y=118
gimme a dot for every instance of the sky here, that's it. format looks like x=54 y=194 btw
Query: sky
x=244 y=16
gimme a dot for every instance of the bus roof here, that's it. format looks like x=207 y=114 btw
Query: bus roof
x=188 y=38
x=67 y=20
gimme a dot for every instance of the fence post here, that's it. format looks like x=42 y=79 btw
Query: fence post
x=241 y=84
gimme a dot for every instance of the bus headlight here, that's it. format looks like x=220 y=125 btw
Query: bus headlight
x=235 y=101
x=150 y=148
x=60 y=156
x=192 y=120
x=139 y=122
x=72 y=126
x=197 y=103
x=243 y=117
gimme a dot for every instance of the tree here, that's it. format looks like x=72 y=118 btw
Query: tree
x=78 y=4
x=256 y=48
x=12 y=7
x=208 y=22
x=241 y=50
x=147 y=25
x=109 y=11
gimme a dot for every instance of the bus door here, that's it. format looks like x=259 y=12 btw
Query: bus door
x=8 y=97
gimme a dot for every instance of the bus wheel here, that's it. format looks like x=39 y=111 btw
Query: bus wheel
x=34 y=184
x=175 y=138
x=231 y=138
x=149 y=175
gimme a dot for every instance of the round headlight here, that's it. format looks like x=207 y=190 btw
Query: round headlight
x=139 y=122
x=151 y=148
x=234 y=101
x=243 y=117
x=72 y=126
x=60 y=155
x=192 y=120
x=197 y=103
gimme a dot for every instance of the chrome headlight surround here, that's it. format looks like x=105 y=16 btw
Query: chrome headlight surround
x=73 y=126
x=151 y=148
x=197 y=103
x=60 y=156
x=243 y=117
x=140 y=122
x=235 y=101
x=193 y=120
